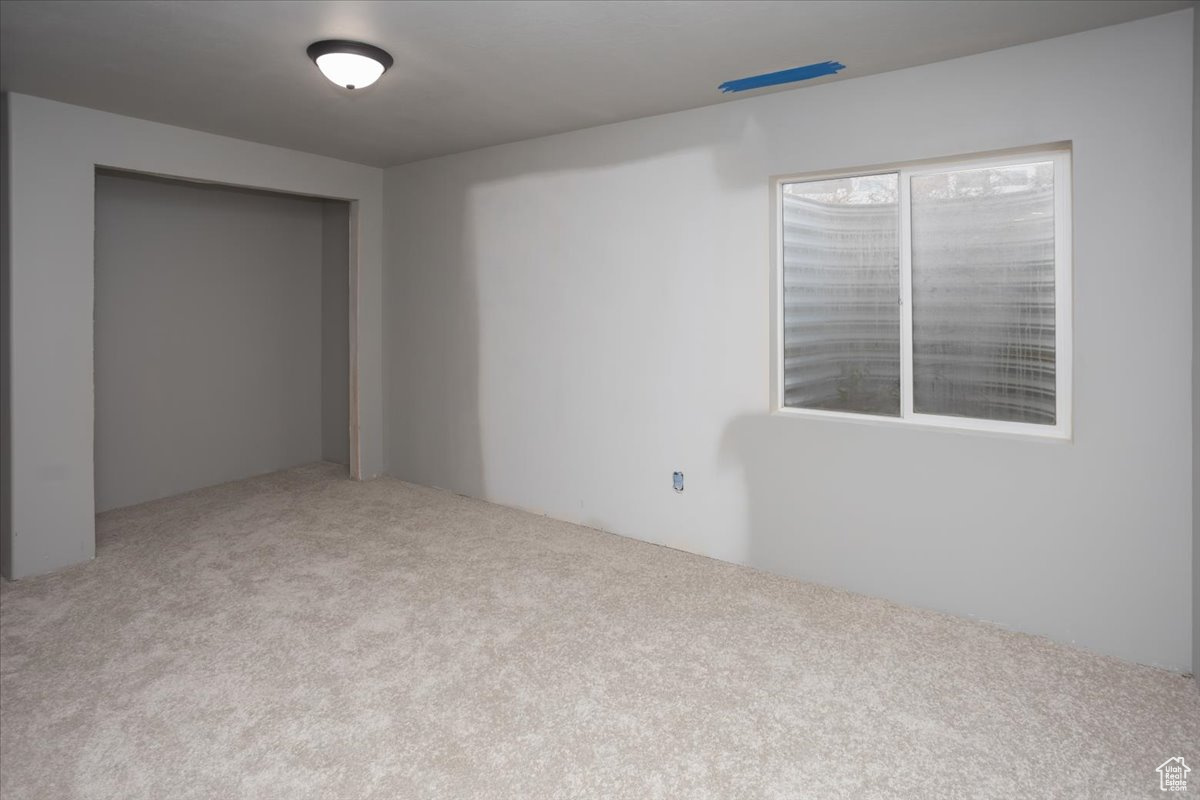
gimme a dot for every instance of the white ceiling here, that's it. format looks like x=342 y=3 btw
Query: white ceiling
x=471 y=74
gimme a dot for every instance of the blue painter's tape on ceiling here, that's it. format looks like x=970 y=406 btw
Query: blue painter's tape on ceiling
x=783 y=76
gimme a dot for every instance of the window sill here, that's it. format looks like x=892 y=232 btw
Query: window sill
x=960 y=425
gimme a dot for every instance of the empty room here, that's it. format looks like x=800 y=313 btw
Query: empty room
x=634 y=399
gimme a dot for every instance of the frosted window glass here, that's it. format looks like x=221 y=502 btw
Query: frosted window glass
x=983 y=293
x=841 y=290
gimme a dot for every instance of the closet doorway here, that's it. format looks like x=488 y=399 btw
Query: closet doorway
x=223 y=335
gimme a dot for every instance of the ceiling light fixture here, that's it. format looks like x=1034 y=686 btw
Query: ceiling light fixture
x=353 y=65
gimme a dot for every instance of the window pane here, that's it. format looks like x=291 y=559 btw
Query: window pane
x=841 y=289
x=983 y=293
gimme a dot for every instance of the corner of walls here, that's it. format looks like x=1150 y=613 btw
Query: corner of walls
x=371 y=232
x=335 y=331
x=387 y=280
x=393 y=344
x=5 y=346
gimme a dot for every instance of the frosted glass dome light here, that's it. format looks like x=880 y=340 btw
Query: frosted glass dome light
x=352 y=65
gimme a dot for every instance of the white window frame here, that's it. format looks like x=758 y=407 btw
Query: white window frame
x=1060 y=156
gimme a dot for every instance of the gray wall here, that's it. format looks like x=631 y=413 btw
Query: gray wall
x=335 y=332
x=208 y=360
x=571 y=319
x=1195 y=345
x=5 y=350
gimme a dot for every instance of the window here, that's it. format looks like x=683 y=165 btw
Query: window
x=936 y=294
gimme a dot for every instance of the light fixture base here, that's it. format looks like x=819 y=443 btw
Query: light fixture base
x=352 y=65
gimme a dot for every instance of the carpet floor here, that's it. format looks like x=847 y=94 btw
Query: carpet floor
x=299 y=635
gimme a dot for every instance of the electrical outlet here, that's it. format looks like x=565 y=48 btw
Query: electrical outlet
x=677 y=481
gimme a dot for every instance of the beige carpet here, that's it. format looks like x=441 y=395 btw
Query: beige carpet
x=302 y=636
